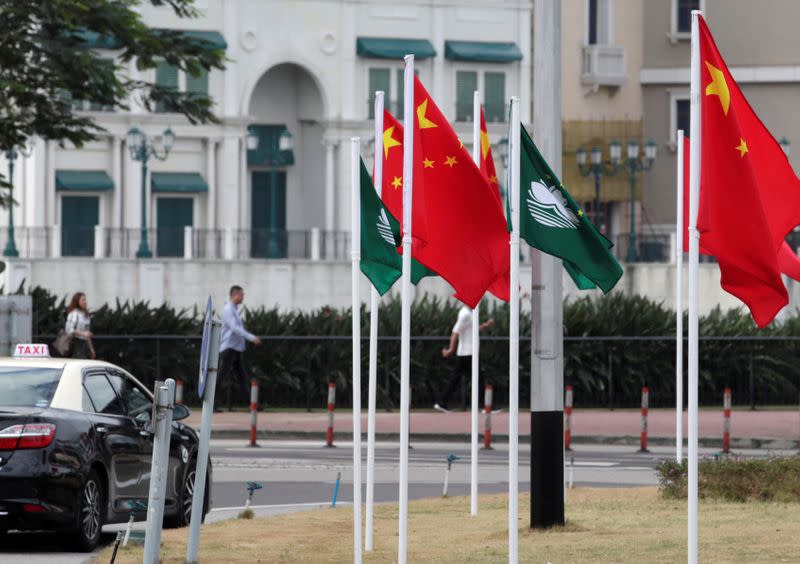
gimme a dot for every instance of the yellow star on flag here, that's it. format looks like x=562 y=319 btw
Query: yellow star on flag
x=580 y=213
x=450 y=161
x=424 y=123
x=718 y=87
x=427 y=163
x=389 y=141
x=484 y=144
x=742 y=148
x=493 y=179
x=397 y=182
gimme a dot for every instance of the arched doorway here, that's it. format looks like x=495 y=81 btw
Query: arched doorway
x=286 y=187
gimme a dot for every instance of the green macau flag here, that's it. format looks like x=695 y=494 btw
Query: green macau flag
x=552 y=222
x=380 y=237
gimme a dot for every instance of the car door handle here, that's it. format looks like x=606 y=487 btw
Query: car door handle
x=101 y=430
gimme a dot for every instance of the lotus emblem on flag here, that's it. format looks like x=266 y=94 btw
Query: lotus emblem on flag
x=547 y=206
x=385 y=229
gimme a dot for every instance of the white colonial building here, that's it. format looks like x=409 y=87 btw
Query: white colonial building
x=274 y=220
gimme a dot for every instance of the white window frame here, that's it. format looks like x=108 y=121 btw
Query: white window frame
x=481 y=70
x=675 y=94
x=674 y=35
x=610 y=22
x=421 y=68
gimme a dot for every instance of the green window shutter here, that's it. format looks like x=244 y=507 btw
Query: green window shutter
x=79 y=215
x=166 y=77
x=494 y=96
x=173 y=215
x=379 y=79
x=197 y=84
x=466 y=85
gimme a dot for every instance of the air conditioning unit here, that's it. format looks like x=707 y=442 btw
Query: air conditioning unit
x=603 y=65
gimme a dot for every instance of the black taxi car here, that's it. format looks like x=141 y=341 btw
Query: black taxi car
x=76 y=448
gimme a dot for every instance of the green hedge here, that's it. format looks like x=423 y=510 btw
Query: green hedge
x=307 y=349
x=735 y=479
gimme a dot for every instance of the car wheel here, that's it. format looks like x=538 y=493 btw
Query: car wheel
x=184 y=512
x=91 y=508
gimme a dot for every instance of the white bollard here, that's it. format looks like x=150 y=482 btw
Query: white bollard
x=487 y=426
x=331 y=407
x=726 y=422
x=178 y=392
x=253 y=412
x=645 y=403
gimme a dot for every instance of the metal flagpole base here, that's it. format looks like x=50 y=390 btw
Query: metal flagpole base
x=547 y=469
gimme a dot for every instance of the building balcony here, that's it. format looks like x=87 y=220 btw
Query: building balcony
x=181 y=243
x=603 y=65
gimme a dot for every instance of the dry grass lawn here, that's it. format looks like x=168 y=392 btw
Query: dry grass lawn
x=604 y=525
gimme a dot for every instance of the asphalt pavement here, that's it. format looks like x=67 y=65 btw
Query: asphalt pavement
x=301 y=475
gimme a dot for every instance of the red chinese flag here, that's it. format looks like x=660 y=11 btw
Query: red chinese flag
x=392 y=192
x=788 y=261
x=458 y=224
x=487 y=161
x=749 y=194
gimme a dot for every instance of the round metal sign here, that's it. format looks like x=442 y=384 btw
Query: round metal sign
x=204 y=347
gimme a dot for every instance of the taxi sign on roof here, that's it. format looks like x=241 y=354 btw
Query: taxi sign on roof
x=30 y=350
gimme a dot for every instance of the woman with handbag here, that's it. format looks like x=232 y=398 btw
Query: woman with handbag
x=78 y=324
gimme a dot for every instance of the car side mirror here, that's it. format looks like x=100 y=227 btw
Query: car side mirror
x=179 y=412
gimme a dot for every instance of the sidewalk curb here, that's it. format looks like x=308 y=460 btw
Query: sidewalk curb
x=707 y=442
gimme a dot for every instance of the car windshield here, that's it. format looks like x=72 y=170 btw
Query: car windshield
x=28 y=386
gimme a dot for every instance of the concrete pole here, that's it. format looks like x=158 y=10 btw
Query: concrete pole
x=162 y=427
x=547 y=359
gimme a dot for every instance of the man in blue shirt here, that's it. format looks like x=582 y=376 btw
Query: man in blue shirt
x=232 y=343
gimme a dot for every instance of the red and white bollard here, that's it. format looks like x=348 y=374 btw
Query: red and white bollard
x=331 y=406
x=726 y=422
x=567 y=417
x=487 y=425
x=253 y=412
x=645 y=403
x=178 y=392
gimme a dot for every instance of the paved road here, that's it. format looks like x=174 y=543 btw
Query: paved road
x=301 y=475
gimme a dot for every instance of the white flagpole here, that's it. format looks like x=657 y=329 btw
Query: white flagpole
x=679 y=309
x=513 y=349
x=355 y=151
x=405 y=318
x=476 y=337
x=694 y=254
x=374 y=304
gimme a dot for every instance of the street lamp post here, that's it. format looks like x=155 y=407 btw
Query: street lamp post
x=10 y=249
x=633 y=164
x=597 y=169
x=141 y=150
x=636 y=164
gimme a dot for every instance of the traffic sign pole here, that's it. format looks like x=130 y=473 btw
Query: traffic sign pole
x=203 y=448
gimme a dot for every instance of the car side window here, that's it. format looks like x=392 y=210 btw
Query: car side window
x=102 y=395
x=135 y=400
x=88 y=406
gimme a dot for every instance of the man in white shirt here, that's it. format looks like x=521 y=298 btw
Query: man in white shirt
x=233 y=339
x=461 y=337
